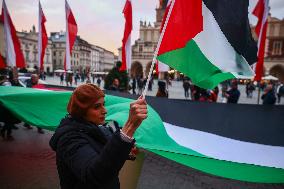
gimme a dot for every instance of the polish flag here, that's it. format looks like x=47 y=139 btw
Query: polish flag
x=161 y=67
x=14 y=55
x=71 y=33
x=126 y=41
x=42 y=38
x=261 y=12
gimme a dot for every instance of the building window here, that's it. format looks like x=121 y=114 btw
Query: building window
x=140 y=48
x=54 y=62
x=60 y=53
x=47 y=58
x=60 y=61
x=277 y=48
x=27 y=56
x=54 y=53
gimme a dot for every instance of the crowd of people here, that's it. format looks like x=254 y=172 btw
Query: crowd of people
x=71 y=78
x=272 y=92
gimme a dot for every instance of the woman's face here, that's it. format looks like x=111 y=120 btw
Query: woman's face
x=96 y=113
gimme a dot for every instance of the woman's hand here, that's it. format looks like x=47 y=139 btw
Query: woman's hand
x=137 y=113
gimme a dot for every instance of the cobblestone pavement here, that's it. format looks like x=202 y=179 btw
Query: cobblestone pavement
x=176 y=91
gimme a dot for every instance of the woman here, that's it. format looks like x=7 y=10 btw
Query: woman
x=90 y=155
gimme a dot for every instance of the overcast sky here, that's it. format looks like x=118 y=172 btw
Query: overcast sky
x=100 y=22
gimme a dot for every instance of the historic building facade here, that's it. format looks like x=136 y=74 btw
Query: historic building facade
x=144 y=47
x=108 y=60
x=85 y=57
x=274 y=50
x=29 y=46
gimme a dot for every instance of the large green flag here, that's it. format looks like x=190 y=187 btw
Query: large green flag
x=46 y=108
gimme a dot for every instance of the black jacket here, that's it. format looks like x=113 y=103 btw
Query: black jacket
x=234 y=95
x=88 y=156
x=269 y=98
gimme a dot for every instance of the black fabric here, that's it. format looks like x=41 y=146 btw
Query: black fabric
x=234 y=95
x=245 y=122
x=269 y=98
x=88 y=156
x=232 y=18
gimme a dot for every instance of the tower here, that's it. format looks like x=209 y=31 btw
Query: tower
x=160 y=11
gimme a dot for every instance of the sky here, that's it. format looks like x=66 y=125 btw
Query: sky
x=100 y=22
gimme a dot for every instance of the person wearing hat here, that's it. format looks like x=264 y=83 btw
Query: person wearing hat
x=89 y=152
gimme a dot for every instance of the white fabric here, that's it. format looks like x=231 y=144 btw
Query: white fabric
x=223 y=148
x=163 y=67
x=67 y=53
x=39 y=34
x=128 y=52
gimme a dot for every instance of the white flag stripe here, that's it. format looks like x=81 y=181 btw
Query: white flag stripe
x=264 y=19
x=215 y=46
x=67 y=53
x=128 y=51
x=163 y=67
x=227 y=149
x=39 y=35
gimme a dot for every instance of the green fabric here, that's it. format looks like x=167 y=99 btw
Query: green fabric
x=237 y=171
x=191 y=61
x=46 y=108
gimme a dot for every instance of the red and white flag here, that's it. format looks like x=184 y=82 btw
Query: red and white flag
x=14 y=55
x=161 y=67
x=126 y=41
x=42 y=37
x=261 y=12
x=71 y=33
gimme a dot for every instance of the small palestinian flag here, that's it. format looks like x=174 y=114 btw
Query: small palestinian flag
x=209 y=41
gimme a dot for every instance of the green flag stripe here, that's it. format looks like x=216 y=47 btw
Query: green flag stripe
x=231 y=170
x=191 y=61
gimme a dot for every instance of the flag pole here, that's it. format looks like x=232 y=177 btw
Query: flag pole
x=157 y=48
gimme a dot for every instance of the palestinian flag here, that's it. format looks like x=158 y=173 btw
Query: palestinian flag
x=222 y=145
x=209 y=41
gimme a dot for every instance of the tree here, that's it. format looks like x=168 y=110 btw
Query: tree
x=116 y=74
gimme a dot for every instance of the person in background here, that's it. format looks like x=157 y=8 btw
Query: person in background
x=90 y=152
x=280 y=92
x=214 y=94
x=133 y=86
x=269 y=95
x=61 y=78
x=31 y=83
x=233 y=94
x=186 y=86
x=99 y=81
x=115 y=85
x=140 y=85
x=162 y=91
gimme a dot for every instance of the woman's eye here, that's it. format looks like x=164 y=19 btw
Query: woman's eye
x=97 y=106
